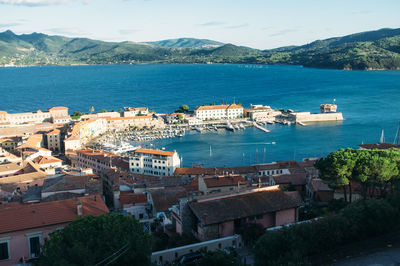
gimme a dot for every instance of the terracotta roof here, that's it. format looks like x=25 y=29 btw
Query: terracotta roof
x=154 y=152
x=224 y=181
x=243 y=205
x=54 y=132
x=45 y=160
x=15 y=217
x=128 y=118
x=219 y=107
x=194 y=171
x=135 y=109
x=175 y=114
x=293 y=179
x=163 y=199
x=58 y=108
x=9 y=167
x=380 y=146
x=132 y=198
x=319 y=185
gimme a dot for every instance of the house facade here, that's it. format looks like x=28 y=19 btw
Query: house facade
x=154 y=162
x=24 y=227
x=207 y=112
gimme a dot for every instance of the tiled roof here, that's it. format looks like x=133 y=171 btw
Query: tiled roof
x=132 y=198
x=16 y=216
x=54 y=132
x=46 y=159
x=319 y=185
x=219 y=107
x=224 y=181
x=9 y=167
x=58 y=108
x=154 y=152
x=243 y=205
x=194 y=171
x=163 y=199
x=293 y=179
x=128 y=118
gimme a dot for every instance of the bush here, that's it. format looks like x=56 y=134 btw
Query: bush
x=359 y=220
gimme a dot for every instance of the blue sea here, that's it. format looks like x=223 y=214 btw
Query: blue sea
x=369 y=100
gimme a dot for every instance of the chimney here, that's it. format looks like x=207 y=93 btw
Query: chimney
x=79 y=208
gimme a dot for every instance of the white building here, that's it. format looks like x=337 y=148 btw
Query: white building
x=154 y=162
x=54 y=140
x=130 y=111
x=57 y=115
x=208 y=112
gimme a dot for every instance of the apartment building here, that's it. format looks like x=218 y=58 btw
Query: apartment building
x=154 y=162
x=57 y=115
x=208 y=112
x=54 y=140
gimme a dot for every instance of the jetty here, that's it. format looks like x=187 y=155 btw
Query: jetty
x=261 y=128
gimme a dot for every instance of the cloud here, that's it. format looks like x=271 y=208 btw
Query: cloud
x=212 y=23
x=244 y=25
x=128 y=31
x=282 y=32
x=66 y=31
x=34 y=2
x=8 y=25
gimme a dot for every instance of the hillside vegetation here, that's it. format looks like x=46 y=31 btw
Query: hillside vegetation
x=367 y=50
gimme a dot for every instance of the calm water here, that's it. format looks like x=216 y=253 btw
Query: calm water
x=370 y=102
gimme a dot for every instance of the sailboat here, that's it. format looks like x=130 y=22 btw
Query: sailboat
x=397 y=137
x=210 y=151
x=382 y=139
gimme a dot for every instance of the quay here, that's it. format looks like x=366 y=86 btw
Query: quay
x=261 y=128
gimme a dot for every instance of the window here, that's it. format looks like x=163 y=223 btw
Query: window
x=4 y=248
x=141 y=216
x=34 y=244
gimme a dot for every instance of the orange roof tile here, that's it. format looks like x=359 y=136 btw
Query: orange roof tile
x=155 y=152
x=128 y=118
x=131 y=198
x=54 y=132
x=15 y=217
x=218 y=107
x=46 y=160
x=58 y=108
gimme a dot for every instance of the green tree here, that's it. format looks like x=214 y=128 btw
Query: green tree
x=91 y=240
x=180 y=117
x=102 y=111
x=217 y=257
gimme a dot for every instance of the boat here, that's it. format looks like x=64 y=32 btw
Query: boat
x=241 y=126
x=229 y=127
x=270 y=122
x=215 y=128
x=236 y=127
x=199 y=129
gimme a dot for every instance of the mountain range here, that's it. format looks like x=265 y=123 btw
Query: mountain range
x=378 y=49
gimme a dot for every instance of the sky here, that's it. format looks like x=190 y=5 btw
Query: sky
x=261 y=24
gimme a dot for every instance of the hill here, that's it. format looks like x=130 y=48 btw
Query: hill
x=187 y=43
x=367 y=50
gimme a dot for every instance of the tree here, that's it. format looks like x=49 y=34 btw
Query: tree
x=91 y=240
x=217 y=257
x=180 y=117
x=102 y=110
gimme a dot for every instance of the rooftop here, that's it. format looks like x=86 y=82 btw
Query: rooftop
x=154 y=152
x=17 y=216
x=224 y=181
x=236 y=206
x=219 y=107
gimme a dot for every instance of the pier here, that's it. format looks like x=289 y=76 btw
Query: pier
x=261 y=128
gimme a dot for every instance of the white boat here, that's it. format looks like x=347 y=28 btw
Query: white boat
x=241 y=126
x=236 y=127
x=199 y=129
x=270 y=122
x=121 y=148
x=215 y=128
x=229 y=127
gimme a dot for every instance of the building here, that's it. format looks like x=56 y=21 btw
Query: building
x=193 y=121
x=154 y=162
x=136 y=205
x=296 y=182
x=226 y=214
x=100 y=115
x=57 y=115
x=207 y=112
x=261 y=113
x=54 y=140
x=328 y=108
x=24 y=227
x=10 y=143
x=174 y=118
x=122 y=123
x=215 y=184
x=138 y=111
x=83 y=131
x=47 y=163
x=99 y=160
